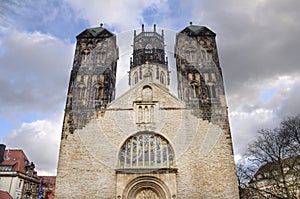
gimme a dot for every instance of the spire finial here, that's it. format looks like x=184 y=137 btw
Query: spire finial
x=142 y=27
x=101 y=24
x=191 y=23
x=154 y=27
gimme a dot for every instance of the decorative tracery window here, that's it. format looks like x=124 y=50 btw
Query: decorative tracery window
x=146 y=150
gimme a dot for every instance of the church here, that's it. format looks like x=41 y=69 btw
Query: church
x=147 y=143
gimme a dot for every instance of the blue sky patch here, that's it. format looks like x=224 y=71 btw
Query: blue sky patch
x=267 y=95
x=150 y=15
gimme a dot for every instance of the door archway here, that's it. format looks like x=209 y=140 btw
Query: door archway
x=146 y=187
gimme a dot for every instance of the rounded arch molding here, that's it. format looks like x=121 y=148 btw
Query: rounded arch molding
x=146 y=149
x=146 y=187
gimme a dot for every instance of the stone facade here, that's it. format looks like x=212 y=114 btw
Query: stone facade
x=148 y=143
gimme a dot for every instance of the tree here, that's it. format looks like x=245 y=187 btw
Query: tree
x=290 y=130
x=271 y=168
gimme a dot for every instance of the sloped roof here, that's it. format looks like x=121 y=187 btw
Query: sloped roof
x=195 y=29
x=95 y=32
x=198 y=30
x=272 y=166
x=17 y=159
x=5 y=195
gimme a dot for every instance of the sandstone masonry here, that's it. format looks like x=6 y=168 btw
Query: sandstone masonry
x=147 y=143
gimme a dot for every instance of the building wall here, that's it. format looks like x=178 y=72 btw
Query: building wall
x=195 y=126
x=203 y=154
x=12 y=184
x=138 y=74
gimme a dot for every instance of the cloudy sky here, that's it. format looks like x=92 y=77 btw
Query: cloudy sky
x=258 y=44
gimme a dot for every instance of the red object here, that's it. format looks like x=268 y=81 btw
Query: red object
x=17 y=159
x=5 y=195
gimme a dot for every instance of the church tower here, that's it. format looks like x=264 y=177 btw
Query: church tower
x=149 y=61
x=199 y=76
x=147 y=143
x=93 y=77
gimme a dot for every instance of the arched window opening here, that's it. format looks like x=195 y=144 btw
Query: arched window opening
x=85 y=54
x=152 y=114
x=147 y=114
x=213 y=77
x=98 y=91
x=147 y=93
x=98 y=95
x=162 y=78
x=206 y=77
x=195 y=89
x=146 y=150
x=80 y=92
x=140 y=114
x=135 y=78
x=213 y=91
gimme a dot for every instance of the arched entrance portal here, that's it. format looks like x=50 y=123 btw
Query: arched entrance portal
x=147 y=194
x=146 y=187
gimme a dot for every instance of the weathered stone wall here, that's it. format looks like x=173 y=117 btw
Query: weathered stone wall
x=196 y=128
x=89 y=157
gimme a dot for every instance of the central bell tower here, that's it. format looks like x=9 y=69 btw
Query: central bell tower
x=149 y=62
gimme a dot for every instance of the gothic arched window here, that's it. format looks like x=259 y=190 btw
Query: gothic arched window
x=146 y=150
x=98 y=95
x=98 y=91
x=80 y=92
x=195 y=89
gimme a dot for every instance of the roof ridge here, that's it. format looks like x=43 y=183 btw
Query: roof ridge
x=96 y=30
x=195 y=28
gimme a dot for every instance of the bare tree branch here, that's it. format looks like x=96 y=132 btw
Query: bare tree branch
x=270 y=168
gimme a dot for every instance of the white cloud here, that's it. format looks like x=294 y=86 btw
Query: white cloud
x=245 y=125
x=122 y=15
x=258 y=47
x=249 y=113
x=34 y=79
x=257 y=44
x=34 y=72
x=40 y=142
